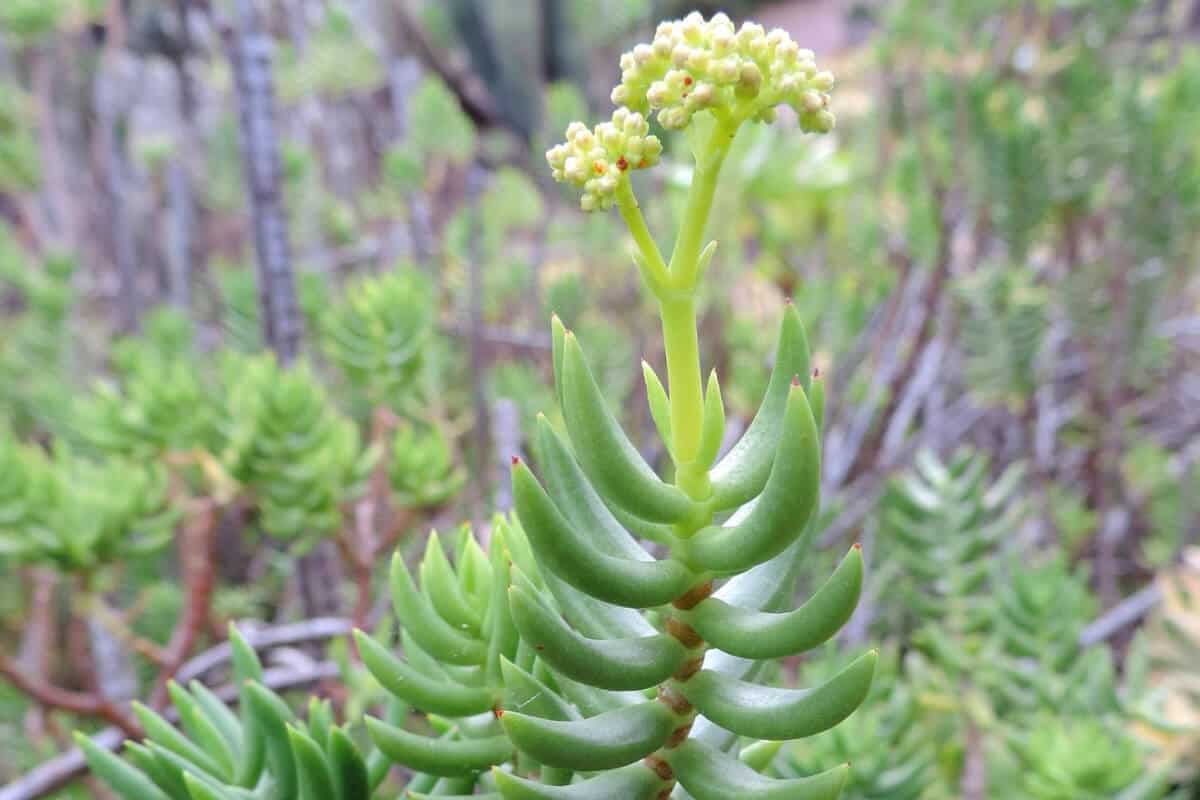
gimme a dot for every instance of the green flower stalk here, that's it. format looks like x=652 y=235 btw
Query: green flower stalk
x=692 y=66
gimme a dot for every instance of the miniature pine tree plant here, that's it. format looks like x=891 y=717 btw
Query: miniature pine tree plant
x=731 y=529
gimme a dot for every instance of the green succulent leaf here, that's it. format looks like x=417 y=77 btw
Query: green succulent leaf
x=350 y=775
x=761 y=634
x=445 y=757
x=127 y=780
x=762 y=712
x=432 y=632
x=634 y=782
x=417 y=688
x=569 y=553
x=660 y=405
x=709 y=774
x=620 y=664
x=314 y=776
x=606 y=741
x=610 y=460
x=742 y=473
x=782 y=510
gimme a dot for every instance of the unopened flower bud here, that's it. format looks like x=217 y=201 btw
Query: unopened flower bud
x=823 y=81
x=702 y=96
x=749 y=79
x=811 y=100
x=721 y=23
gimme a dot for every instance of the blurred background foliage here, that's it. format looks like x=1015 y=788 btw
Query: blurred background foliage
x=994 y=255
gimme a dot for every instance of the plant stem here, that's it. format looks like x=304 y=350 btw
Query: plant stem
x=685 y=258
x=684 y=377
x=631 y=212
x=682 y=346
x=675 y=287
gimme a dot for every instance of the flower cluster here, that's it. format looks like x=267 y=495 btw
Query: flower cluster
x=693 y=65
x=595 y=159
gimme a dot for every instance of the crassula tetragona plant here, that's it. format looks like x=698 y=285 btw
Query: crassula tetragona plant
x=618 y=637
x=728 y=531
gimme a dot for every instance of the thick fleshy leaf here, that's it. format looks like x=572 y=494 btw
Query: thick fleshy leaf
x=634 y=782
x=742 y=473
x=621 y=664
x=709 y=774
x=569 y=553
x=126 y=779
x=430 y=695
x=315 y=778
x=610 y=460
x=762 y=634
x=432 y=632
x=440 y=585
x=446 y=757
x=606 y=741
x=783 y=509
x=763 y=712
x=350 y=775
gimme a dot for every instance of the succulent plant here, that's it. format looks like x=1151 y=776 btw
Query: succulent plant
x=287 y=444
x=78 y=515
x=159 y=401
x=35 y=346
x=1034 y=659
x=941 y=523
x=264 y=750
x=599 y=670
x=422 y=471
x=379 y=335
x=1083 y=759
x=462 y=660
x=669 y=651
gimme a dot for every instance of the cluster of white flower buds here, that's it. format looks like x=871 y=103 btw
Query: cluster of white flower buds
x=693 y=65
x=595 y=160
